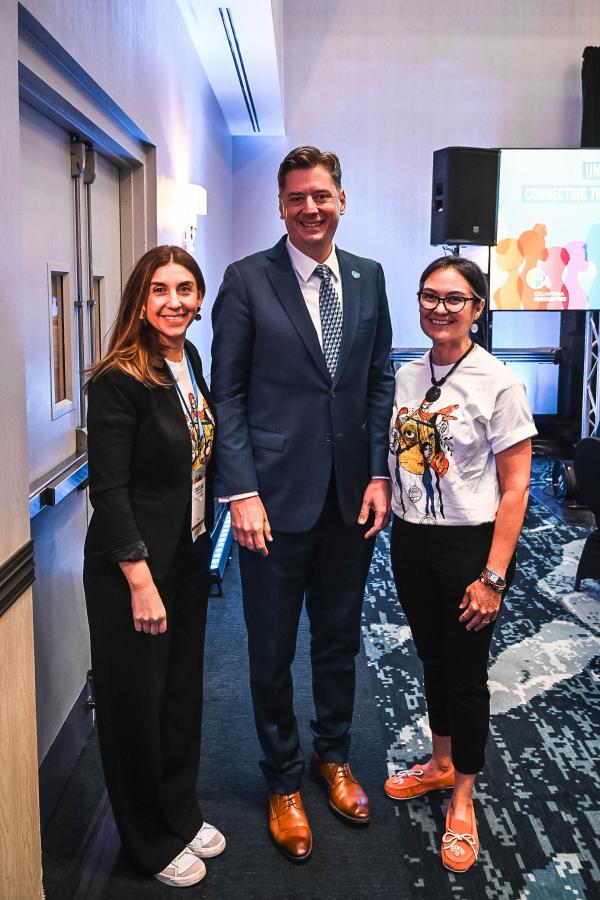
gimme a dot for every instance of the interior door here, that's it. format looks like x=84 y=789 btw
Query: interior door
x=48 y=233
x=71 y=281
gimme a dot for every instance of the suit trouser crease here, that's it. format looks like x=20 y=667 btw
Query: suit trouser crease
x=432 y=567
x=329 y=565
x=148 y=693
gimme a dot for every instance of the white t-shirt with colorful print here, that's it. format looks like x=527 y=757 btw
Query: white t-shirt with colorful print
x=442 y=453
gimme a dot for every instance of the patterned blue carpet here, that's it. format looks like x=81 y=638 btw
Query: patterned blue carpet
x=537 y=802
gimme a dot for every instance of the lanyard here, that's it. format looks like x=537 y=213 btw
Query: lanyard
x=195 y=422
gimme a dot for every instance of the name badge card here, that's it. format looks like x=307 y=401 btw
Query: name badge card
x=198 y=507
x=201 y=436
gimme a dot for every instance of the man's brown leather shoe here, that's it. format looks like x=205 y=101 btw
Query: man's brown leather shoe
x=346 y=797
x=289 y=826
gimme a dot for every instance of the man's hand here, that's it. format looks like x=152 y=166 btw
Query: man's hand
x=377 y=497
x=250 y=524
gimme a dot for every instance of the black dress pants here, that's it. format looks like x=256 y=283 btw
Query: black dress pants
x=148 y=691
x=432 y=565
x=329 y=565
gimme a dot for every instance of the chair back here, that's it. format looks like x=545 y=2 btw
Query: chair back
x=587 y=471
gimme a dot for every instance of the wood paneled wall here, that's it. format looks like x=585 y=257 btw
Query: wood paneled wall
x=20 y=855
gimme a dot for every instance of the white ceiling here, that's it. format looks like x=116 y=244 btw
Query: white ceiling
x=251 y=96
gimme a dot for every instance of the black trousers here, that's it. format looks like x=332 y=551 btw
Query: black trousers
x=329 y=565
x=148 y=692
x=432 y=566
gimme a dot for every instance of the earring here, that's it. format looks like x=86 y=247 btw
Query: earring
x=474 y=327
x=197 y=317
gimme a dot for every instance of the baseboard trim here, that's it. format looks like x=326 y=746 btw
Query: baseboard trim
x=60 y=760
x=16 y=575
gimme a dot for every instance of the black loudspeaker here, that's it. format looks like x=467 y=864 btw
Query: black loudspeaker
x=464 y=196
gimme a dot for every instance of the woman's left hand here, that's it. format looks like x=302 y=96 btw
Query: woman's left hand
x=481 y=605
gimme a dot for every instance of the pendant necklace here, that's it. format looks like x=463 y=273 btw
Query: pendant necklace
x=434 y=391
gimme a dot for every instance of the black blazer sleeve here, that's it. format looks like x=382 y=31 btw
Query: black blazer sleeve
x=112 y=426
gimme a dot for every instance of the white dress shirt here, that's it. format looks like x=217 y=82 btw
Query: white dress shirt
x=304 y=268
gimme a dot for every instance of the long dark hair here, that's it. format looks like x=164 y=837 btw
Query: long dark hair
x=133 y=346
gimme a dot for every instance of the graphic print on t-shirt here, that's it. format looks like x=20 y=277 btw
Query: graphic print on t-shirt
x=200 y=455
x=420 y=440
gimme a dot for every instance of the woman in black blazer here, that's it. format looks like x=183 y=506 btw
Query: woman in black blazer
x=146 y=569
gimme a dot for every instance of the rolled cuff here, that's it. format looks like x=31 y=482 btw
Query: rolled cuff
x=128 y=553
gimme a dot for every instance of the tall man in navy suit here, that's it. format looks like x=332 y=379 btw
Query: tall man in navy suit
x=303 y=389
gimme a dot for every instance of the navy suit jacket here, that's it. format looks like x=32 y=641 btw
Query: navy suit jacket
x=282 y=422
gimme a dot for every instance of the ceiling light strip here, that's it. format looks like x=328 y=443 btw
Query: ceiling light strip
x=240 y=69
x=241 y=58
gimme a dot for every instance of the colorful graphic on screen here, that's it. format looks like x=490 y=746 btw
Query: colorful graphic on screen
x=548 y=250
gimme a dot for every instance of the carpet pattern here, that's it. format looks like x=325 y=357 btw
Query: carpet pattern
x=537 y=801
x=81 y=848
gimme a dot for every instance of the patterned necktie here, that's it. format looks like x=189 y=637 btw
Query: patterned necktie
x=331 y=314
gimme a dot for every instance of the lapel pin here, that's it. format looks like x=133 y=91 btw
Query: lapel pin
x=355 y=274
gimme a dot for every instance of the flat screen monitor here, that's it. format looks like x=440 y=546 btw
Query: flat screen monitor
x=548 y=251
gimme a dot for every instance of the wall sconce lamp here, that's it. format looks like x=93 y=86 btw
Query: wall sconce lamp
x=196 y=204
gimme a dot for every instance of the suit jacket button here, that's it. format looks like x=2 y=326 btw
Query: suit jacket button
x=332 y=393
x=327 y=438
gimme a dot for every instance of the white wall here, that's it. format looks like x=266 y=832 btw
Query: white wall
x=385 y=83
x=141 y=54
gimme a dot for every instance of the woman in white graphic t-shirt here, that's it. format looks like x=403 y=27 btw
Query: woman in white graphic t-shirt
x=460 y=455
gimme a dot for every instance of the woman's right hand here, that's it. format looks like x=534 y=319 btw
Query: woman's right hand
x=149 y=613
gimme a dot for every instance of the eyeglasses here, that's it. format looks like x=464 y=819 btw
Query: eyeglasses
x=451 y=302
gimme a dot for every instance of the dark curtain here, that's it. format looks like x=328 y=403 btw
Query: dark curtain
x=590 y=84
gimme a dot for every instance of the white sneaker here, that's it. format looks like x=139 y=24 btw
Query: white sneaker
x=208 y=842
x=184 y=870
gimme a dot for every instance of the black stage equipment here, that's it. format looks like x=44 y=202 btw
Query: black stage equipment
x=590 y=91
x=464 y=197
x=564 y=483
x=587 y=465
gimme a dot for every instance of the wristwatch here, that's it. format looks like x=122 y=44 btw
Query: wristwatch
x=493 y=580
